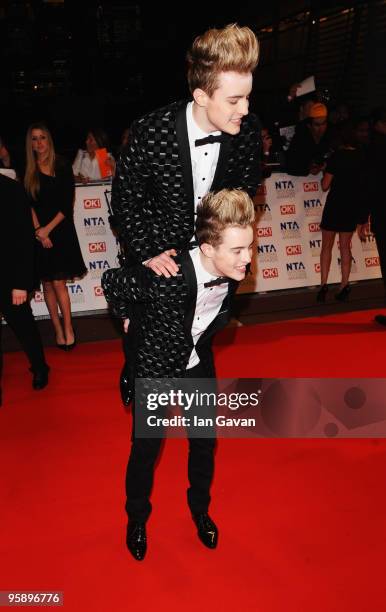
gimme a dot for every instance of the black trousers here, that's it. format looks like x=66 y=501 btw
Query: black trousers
x=21 y=320
x=140 y=470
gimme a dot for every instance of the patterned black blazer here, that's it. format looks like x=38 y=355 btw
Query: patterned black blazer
x=152 y=192
x=161 y=312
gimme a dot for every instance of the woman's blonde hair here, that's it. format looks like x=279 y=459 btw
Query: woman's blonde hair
x=231 y=49
x=217 y=211
x=31 y=177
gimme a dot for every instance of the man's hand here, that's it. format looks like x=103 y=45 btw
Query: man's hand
x=126 y=323
x=363 y=230
x=19 y=296
x=164 y=264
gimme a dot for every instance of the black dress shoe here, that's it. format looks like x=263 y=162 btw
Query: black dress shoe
x=381 y=319
x=343 y=294
x=136 y=540
x=206 y=530
x=321 y=295
x=40 y=378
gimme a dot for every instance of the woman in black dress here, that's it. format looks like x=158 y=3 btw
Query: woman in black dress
x=49 y=182
x=341 y=211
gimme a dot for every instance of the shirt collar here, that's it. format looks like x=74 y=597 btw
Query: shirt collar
x=202 y=275
x=194 y=131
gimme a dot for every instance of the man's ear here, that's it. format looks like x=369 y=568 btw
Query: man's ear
x=207 y=249
x=200 y=97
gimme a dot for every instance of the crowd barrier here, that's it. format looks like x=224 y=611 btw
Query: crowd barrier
x=286 y=255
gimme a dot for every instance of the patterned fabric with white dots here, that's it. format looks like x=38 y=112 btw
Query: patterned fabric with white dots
x=150 y=198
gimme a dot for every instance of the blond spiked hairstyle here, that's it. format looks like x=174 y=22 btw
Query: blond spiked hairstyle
x=217 y=211
x=31 y=177
x=233 y=49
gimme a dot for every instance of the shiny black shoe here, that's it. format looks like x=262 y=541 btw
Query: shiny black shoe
x=343 y=294
x=321 y=295
x=381 y=319
x=206 y=530
x=136 y=540
x=40 y=379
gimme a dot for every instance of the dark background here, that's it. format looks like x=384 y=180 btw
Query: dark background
x=79 y=64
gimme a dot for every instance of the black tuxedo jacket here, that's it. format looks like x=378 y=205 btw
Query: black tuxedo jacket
x=17 y=246
x=152 y=192
x=161 y=312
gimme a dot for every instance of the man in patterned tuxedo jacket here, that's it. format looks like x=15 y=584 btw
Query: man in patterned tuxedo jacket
x=181 y=152
x=173 y=331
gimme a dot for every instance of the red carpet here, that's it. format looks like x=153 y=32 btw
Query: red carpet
x=302 y=522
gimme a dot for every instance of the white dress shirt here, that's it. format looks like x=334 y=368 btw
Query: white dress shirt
x=86 y=166
x=204 y=158
x=208 y=304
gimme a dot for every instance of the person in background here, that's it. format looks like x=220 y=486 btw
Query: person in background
x=266 y=158
x=310 y=145
x=49 y=183
x=5 y=158
x=373 y=208
x=125 y=139
x=343 y=177
x=86 y=166
x=17 y=277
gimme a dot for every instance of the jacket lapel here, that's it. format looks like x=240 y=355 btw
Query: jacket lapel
x=223 y=315
x=187 y=269
x=184 y=152
x=222 y=163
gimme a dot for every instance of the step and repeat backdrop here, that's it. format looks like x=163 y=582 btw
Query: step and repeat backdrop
x=289 y=238
x=286 y=255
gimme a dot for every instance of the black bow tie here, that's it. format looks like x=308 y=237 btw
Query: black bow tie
x=220 y=280
x=209 y=140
